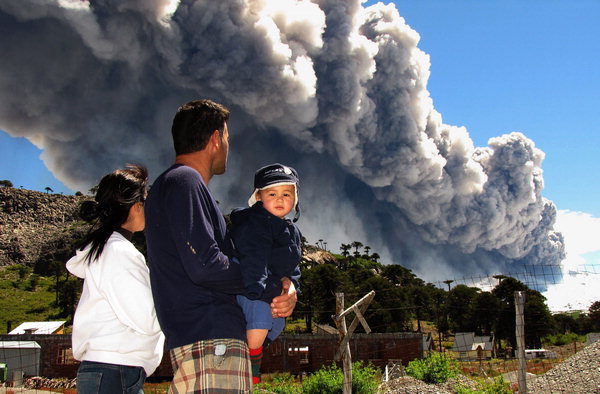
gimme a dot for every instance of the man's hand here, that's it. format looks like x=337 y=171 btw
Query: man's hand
x=284 y=304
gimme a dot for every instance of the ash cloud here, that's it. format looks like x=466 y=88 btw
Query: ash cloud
x=331 y=87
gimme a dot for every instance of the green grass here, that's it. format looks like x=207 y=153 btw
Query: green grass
x=21 y=302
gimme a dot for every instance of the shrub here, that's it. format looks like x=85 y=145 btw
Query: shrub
x=496 y=386
x=365 y=378
x=562 y=339
x=327 y=380
x=330 y=380
x=280 y=383
x=435 y=368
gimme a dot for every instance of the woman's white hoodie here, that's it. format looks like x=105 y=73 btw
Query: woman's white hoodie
x=115 y=321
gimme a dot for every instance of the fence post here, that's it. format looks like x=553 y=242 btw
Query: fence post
x=520 y=334
x=345 y=333
x=346 y=358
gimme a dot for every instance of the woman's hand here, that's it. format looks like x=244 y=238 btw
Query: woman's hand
x=284 y=304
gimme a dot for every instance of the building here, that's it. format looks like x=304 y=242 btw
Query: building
x=468 y=347
x=21 y=356
x=40 y=327
x=304 y=353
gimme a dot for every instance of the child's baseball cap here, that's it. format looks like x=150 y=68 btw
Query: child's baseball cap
x=276 y=175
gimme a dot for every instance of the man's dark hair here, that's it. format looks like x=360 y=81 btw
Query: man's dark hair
x=194 y=123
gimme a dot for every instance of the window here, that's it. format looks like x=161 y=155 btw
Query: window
x=304 y=354
x=275 y=348
x=65 y=356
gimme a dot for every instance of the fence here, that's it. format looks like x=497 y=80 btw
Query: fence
x=479 y=355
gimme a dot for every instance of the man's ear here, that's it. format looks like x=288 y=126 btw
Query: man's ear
x=215 y=139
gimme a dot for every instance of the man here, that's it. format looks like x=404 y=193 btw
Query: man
x=193 y=281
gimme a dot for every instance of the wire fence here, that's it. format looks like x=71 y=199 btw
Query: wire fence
x=572 y=367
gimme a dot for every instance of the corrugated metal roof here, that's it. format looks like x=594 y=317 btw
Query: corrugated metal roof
x=38 y=327
x=19 y=345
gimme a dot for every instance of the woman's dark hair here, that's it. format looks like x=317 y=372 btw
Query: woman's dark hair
x=117 y=192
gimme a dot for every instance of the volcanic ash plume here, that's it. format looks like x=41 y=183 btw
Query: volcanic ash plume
x=330 y=87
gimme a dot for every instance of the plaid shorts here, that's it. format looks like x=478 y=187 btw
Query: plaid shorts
x=211 y=366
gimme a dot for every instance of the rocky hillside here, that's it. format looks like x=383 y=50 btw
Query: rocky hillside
x=37 y=228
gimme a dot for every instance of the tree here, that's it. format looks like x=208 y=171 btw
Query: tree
x=356 y=245
x=400 y=276
x=594 y=316
x=6 y=183
x=538 y=320
x=504 y=291
x=460 y=300
x=421 y=300
x=565 y=323
x=345 y=248
x=484 y=312
x=319 y=285
x=367 y=250
x=448 y=282
x=48 y=189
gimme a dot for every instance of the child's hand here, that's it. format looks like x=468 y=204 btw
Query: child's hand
x=283 y=305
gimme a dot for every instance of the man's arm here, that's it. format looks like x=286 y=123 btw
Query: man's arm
x=284 y=304
x=194 y=223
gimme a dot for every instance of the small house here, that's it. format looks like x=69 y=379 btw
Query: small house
x=469 y=347
x=40 y=327
x=21 y=356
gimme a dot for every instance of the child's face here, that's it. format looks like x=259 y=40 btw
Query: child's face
x=278 y=200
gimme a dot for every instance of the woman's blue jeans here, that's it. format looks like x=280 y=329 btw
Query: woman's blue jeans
x=101 y=378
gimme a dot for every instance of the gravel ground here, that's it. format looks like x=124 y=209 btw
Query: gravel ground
x=579 y=374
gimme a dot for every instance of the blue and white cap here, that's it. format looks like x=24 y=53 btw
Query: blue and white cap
x=275 y=175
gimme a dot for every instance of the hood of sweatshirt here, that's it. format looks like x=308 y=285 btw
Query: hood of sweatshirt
x=76 y=264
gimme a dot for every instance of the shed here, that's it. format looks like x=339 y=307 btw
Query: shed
x=468 y=347
x=21 y=356
x=40 y=327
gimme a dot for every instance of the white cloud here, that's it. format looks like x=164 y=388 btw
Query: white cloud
x=581 y=273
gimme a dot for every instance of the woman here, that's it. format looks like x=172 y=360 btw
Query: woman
x=115 y=331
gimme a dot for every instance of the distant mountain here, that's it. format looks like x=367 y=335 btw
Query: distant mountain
x=38 y=228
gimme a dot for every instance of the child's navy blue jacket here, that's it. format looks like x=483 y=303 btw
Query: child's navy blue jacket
x=269 y=248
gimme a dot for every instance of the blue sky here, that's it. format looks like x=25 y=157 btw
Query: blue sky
x=496 y=67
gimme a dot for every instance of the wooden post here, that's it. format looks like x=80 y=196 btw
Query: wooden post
x=346 y=357
x=520 y=333
x=344 y=333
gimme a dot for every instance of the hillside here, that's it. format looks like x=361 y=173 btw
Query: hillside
x=37 y=228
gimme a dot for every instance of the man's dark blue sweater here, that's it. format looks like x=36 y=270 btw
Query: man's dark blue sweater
x=193 y=282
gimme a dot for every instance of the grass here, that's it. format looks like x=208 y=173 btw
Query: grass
x=21 y=302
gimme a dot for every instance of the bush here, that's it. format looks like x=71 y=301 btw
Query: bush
x=327 y=380
x=278 y=383
x=562 y=339
x=435 y=368
x=330 y=380
x=496 y=386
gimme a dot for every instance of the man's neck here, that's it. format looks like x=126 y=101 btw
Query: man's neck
x=199 y=162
